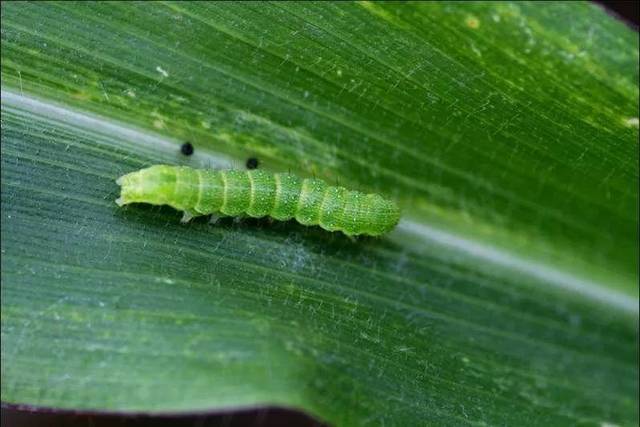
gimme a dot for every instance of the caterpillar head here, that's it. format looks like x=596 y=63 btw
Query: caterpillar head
x=152 y=185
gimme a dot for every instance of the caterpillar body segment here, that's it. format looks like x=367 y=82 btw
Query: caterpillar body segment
x=257 y=193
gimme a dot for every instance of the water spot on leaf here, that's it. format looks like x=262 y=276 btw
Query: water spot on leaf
x=632 y=122
x=472 y=22
x=162 y=71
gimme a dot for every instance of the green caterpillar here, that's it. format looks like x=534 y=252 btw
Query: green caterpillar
x=257 y=194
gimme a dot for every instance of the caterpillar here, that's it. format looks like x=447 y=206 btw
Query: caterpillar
x=258 y=193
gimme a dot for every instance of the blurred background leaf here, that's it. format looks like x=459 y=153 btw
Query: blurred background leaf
x=507 y=133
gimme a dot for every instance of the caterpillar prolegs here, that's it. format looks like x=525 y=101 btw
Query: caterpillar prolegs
x=257 y=193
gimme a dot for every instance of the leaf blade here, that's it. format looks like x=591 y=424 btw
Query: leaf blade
x=256 y=314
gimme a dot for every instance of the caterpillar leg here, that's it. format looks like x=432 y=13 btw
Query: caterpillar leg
x=214 y=218
x=187 y=216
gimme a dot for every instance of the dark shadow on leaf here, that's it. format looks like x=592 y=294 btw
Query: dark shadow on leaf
x=17 y=416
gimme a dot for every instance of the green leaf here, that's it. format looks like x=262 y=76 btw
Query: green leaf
x=507 y=133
